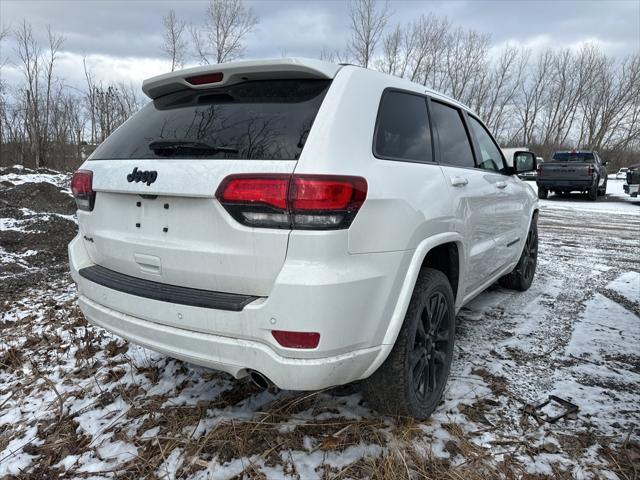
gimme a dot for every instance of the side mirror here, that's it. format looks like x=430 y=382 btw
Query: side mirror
x=524 y=162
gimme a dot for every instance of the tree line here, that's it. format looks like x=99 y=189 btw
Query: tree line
x=556 y=98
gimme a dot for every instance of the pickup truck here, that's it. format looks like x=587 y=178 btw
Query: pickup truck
x=569 y=171
x=632 y=187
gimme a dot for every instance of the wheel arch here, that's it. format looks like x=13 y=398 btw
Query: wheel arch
x=427 y=254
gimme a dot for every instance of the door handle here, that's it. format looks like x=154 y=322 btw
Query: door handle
x=501 y=184
x=459 y=181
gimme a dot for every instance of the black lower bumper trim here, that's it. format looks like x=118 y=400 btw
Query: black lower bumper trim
x=165 y=293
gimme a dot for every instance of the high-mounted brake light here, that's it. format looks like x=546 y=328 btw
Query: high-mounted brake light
x=205 y=79
x=82 y=189
x=293 y=201
x=296 y=339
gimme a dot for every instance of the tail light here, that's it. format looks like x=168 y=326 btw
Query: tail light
x=539 y=170
x=296 y=339
x=82 y=189
x=590 y=171
x=323 y=202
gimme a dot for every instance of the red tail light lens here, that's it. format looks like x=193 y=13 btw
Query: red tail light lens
x=82 y=189
x=264 y=190
x=296 y=339
x=293 y=201
x=327 y=193
x=590 y=171
x=205 y=79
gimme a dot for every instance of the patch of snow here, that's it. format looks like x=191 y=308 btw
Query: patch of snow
x=627 y=285
x=59 y=179
x=169 y=468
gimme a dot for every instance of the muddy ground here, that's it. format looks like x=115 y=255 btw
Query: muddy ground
x=78 y=402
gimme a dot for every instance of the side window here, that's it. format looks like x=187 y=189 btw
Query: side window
x=403 y=130
x=455 y=148
x=492 y=158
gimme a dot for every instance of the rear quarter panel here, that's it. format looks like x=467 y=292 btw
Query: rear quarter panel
x=406 y=202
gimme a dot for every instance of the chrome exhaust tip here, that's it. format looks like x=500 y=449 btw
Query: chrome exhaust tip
x=260 y=380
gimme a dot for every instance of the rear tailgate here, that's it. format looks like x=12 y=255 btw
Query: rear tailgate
x=156 y=216
x=174 y=231
x=565 y=171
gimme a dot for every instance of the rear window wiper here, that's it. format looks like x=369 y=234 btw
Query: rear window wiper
x=175 y=147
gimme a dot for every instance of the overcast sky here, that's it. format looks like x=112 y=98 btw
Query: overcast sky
x=121 y=39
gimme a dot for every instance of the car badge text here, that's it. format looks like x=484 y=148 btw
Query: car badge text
x=145 y=176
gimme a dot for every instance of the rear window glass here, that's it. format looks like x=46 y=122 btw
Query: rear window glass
x=572 y=156
x=263 y=120
x=455 y=147
x=403 y=128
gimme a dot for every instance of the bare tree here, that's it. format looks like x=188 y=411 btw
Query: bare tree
x=4 y=33
x=29 y=53
x=334 y=56
x=227 y=24
x=367 y=23
x=174 y=44
x=55 y=44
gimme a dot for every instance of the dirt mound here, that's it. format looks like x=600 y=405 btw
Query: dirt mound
x=38 y=197
x=38 y=253
x=19 y=170
x=34 y=234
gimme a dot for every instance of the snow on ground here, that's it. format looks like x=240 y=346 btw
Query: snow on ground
x=19 y=175
x=78 y=402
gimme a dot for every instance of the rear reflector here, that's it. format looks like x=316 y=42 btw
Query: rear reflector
x=293 y=201
x=296 y=339
x=82 y=189
x=205 y=79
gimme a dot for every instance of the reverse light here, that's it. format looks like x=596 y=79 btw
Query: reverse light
x=205 y=79
x=293 y=201
x=296 y=339
x=82 y=190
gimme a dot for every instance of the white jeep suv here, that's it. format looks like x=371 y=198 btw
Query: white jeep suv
x=305 y=223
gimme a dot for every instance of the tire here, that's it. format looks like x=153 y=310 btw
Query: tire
x=592 y=194
x=543 y=193
x=522 y=276
x=603 y=191
x=412 y=379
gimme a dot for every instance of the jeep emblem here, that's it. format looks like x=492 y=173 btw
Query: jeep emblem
x=144 y=176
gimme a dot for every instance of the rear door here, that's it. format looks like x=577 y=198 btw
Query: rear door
x=156 y=215
x=510 y=216
x=472 y=190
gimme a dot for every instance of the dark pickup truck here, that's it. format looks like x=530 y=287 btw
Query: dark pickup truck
x=570 y=171
x=632 y=187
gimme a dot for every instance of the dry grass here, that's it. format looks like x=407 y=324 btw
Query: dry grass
x=240 y=421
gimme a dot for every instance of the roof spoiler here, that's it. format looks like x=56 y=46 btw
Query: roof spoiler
x=208 y=76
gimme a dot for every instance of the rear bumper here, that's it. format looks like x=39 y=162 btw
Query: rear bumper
x=232 y=355
x=349 y=301
x=565 y=184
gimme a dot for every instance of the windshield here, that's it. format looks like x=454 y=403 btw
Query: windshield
x=572 y=156
x=265 y=120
